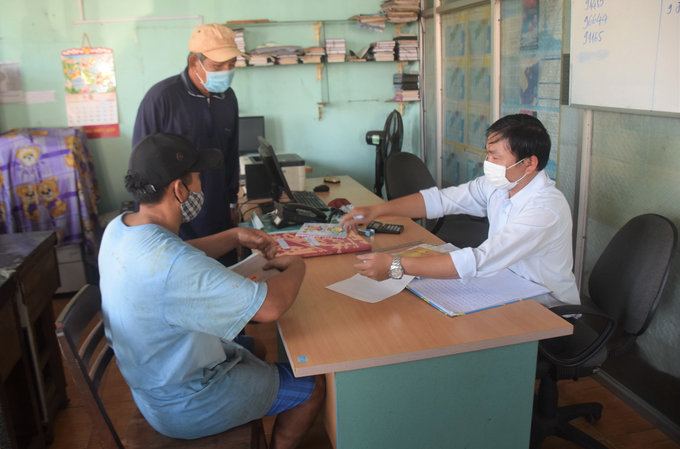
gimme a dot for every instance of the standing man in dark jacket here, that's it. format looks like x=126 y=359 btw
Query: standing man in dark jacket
x=200 y=105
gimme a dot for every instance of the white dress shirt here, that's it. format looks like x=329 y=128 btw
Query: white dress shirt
x=529 y=233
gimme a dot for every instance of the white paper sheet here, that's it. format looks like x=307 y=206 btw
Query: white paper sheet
x=367 y=290
x=251 y=268
x=39 y=96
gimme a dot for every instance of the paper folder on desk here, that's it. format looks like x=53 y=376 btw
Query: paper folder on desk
x=454 y=297
x=292 y=245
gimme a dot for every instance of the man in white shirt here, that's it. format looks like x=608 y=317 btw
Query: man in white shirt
x=530 y=223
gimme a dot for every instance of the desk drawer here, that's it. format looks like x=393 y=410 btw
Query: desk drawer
x=10 y=344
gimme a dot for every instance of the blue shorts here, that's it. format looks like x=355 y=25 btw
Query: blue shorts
x=293 y=391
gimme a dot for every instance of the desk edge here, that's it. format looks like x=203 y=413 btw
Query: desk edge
x=420 y=355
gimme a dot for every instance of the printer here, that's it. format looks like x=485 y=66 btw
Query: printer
x=258 y=184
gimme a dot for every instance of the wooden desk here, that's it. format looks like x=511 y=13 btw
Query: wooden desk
x=400 y=373
x=31 y=259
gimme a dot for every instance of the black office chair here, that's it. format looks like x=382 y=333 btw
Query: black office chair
x=406 y=174
x=625 y=286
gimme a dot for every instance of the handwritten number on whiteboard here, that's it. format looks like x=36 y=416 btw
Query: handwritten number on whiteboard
x=592 y=37
x=670 y=8
x=594 y=19
x=593 y=4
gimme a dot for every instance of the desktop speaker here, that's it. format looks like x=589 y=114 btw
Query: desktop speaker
x=258 y=184
x=257 y=181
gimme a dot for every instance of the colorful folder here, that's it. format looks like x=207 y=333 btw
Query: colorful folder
x=292 y=245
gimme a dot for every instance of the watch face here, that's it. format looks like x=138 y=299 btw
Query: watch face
x=396 y=272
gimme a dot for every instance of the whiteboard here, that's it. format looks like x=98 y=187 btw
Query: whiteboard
x=625 y=54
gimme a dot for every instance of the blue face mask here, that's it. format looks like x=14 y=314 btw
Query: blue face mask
x=217 y=82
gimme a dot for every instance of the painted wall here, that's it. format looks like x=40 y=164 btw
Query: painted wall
x=34 y=32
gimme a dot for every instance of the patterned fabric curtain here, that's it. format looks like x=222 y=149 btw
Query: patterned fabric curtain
x=48 y=182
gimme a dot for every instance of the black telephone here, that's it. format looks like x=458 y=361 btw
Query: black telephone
x=287 y=214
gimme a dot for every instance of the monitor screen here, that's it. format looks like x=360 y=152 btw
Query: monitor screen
x=249 y=129
x=273 y=167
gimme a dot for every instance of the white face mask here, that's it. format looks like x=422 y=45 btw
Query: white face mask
x=496 y=175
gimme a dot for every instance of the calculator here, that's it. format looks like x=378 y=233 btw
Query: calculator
x=384 y=228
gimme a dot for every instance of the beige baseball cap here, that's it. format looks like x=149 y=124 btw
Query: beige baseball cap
x=216 y=42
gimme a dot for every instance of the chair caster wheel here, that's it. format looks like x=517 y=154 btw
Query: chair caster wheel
x=592 y=417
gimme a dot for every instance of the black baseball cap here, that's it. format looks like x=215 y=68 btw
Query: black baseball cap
x=163 y=157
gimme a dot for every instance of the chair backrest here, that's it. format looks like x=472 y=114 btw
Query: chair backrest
x=80 y=332
x=405 y=174
x=630 y=275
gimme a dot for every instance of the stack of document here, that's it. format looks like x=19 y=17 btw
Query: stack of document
x=288 y=58
x=313 y=55
x=401 y=10
x=383 y=50
x=335 y=49
x=241 y=45
x=262 y=59
x=289 y=55
x=279 y=54
x=406 y=87
x=375 y=22
x=407 y=47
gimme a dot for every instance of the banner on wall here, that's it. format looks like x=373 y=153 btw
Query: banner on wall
x=90 y=84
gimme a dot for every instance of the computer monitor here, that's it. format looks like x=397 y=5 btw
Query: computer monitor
x=273 y=167
x=249 y=129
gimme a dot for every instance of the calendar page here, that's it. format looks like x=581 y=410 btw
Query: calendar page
x=91 y=109
x=90 y=85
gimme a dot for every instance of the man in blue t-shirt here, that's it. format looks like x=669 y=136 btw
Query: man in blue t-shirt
x=172 y=312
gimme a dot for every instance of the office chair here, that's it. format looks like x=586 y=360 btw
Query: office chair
x=406 y=174
x=625 y=286
x=80 y=326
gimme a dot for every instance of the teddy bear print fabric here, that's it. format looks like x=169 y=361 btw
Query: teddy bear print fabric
x=48 y=182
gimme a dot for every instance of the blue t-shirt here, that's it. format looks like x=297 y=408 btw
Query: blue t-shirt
x=170 y=314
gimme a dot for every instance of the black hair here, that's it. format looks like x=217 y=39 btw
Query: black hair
x=526 y=136
x=145 y=193
x=201 y=57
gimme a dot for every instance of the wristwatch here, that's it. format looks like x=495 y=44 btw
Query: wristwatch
x=396 y=271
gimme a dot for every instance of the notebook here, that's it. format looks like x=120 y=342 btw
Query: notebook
x=292 y=245
x=454 y=297
x=321 y=230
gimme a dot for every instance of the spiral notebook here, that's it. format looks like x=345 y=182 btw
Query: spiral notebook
x=453 y=297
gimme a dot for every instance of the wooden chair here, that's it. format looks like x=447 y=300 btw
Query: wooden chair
x=80 y=325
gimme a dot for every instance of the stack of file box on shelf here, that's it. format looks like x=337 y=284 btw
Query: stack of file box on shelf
x=406 y=87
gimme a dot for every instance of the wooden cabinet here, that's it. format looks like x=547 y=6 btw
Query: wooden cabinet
x=20 y=422
x=30 y=258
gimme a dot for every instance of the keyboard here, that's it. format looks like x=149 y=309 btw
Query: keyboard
x=309 y=199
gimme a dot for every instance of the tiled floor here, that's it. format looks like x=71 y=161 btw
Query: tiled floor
x=619 y=428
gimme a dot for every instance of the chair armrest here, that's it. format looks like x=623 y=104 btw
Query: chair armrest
x=438 y=225
x=591 y=350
